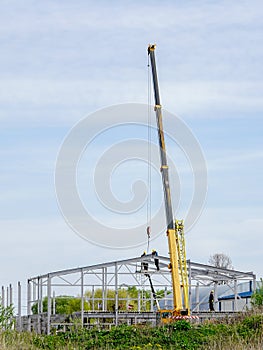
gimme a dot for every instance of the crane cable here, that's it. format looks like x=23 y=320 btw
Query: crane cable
x=149 y=174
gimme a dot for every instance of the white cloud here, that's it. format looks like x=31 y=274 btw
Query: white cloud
x=234 y=160
x=87 y=14
x=58 y=97
x=60 y=57
x=215 y=96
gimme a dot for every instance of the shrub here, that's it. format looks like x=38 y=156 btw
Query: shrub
x=6 y=317
x=257 y=296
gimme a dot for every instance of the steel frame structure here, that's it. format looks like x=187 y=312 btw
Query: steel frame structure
x=123 y=274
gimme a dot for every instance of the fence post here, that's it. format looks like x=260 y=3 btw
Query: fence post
x=28 y=305
x=19 y=324
x=10 y=294
x=7 y=296
x=3 y=296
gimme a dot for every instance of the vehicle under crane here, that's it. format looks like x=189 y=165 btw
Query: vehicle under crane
x=175 y=228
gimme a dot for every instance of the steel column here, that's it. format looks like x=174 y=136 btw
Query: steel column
x=82 y=295
x=235 y=291
x=48 y=304
x=197 y=297
x=116 y=294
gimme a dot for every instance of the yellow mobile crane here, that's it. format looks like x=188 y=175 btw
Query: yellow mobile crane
x=175 y=228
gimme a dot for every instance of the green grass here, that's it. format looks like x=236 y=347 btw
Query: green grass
x=244 y=332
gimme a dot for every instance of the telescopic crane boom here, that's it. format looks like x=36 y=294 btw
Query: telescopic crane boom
x=180 y=304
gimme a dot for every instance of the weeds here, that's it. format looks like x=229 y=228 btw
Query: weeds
x=243 y=333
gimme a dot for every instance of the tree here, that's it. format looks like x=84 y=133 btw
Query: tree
x=221 y=260
x=257 y=296
x=127 y=298
x=110 y=299
x=64 y=305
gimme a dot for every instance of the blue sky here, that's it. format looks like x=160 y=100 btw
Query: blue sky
x=62 y=61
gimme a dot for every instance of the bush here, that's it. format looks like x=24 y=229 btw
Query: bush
x=257 y=296
x=6 y=317
x=241 y=333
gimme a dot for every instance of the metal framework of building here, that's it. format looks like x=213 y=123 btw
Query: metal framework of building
x=115 y=276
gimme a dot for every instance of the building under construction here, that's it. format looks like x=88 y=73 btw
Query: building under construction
x=112 y=306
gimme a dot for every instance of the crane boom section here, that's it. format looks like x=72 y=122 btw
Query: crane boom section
x=164 y=165
x=171 y=230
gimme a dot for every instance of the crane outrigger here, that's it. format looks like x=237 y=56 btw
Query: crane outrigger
x=175 y=228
